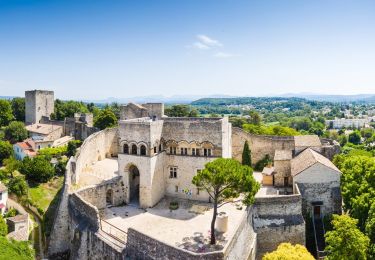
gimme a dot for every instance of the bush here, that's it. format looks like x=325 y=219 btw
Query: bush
x=173 y=205
x=11 y=213
x=263 y=163
x=3 y=227
x=72 y=147
x=53 y=151
x=15 y=250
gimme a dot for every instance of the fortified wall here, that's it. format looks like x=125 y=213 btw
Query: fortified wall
x=260 y=145
x=277 y=219
x=94 y=148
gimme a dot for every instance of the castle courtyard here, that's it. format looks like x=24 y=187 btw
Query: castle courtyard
x=188 y=227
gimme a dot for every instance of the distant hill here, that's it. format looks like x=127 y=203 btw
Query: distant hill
x=7 y=97
x=365 y=98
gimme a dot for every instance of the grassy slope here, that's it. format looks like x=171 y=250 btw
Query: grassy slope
x=44 y=193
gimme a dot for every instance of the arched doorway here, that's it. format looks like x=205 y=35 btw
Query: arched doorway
x=109 y=197
x=134 y=182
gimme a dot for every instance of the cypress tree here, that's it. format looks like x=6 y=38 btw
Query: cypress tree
x=246 y=155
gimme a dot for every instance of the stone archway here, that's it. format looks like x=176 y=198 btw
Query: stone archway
x=134 y=181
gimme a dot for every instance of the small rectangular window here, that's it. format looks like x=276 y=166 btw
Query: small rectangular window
x=197 y=151
x=209 y=152
x=170 y=150
x=205 y=152
x=185 y=151
x=182 y=151
x=176 y=188
x=193 y=151
x=173 y=172
x=155 y=149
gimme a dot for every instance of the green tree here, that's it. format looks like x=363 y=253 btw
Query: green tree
x=105 y=119
x=255 y=118
x=246 y=154
x=286 y=251
x=15 y=132
x=6 y=114
x=370 y=230
x=355 y=137
x=65 y=109
x=346 y=241
x=181 y=111
x=18 y=186
x=72 y=147
x=224 y=179
x=18 y=108
x=38 y=169
x=3 y=227
x=6 y=150
x=16 y=250
x=11 y=165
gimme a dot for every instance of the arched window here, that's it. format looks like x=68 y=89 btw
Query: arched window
x=134 y=149
x=143 y=150
x=126 y=148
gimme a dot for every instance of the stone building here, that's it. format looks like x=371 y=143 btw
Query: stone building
x=38 y=103
x=159 y=156
x=318 y=180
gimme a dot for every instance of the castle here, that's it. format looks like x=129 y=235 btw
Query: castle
x=113 y=203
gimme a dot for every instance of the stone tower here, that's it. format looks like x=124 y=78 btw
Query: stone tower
x=38 y=103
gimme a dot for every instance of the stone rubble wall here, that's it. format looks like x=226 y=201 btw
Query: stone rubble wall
x=260 y=145
x=278 y=219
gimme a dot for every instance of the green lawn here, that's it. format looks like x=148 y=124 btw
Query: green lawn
x=43 y=194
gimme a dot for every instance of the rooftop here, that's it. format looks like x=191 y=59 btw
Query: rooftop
x=43 y=129
x=308 y=158
x=307 y=141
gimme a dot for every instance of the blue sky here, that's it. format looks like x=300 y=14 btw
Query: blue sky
x=85 y=49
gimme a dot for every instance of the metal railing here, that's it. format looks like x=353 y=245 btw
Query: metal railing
x=113 y=231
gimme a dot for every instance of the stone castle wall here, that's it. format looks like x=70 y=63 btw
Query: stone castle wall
x=278 y=219
x=100 y=145
x=260 y=145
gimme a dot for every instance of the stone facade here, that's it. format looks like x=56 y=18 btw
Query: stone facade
x=38 y=103
x=278 y=219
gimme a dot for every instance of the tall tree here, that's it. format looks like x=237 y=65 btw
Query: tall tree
x=286 y=251
x=18 y=107
x=15 y=132
x=355 y=137
x=246 y=154
x=6 y=114
x=38 y=169
x=224 y=179
x=346 y=241
x=106 y=118
x=6 y=150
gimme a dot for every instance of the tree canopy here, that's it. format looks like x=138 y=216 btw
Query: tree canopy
x=65 y=109
x=181 y=111
x=105 y=119
x=18 y=108
x=37 y=169
x=15 y=250
x=6 y=113
x=346 y=241
x=6 y=150
x=15 y=132
x=224 y=179
x=287 y=251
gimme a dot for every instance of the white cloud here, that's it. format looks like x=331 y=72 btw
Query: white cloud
x=209 y=41
x=200 y=46
x=224 y=55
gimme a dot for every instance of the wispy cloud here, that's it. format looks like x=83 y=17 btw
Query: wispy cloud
x=209 y=41
x=200 y=46
x=224 y=55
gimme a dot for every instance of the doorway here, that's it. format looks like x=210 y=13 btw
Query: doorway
x=109 y=197
x=134 y=181
x=317 y=211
